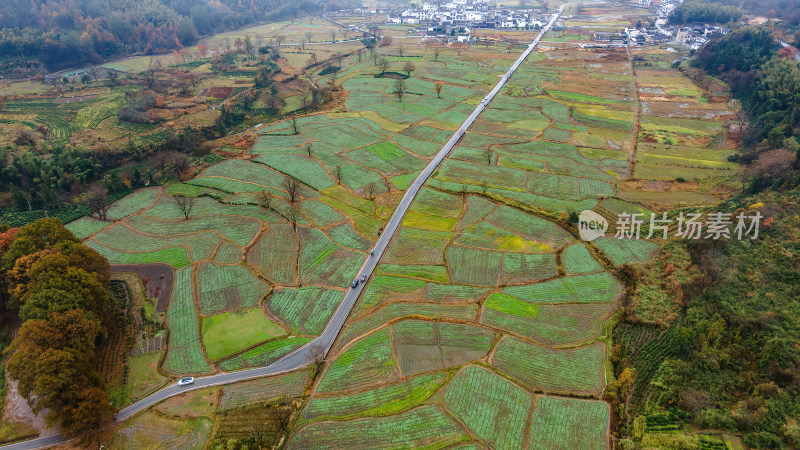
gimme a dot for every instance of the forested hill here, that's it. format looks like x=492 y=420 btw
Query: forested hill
x=69 y=33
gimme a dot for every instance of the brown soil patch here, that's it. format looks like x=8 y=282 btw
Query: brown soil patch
x=658 y=185
x=219 y=91
x=18 y=411
x=157 y=279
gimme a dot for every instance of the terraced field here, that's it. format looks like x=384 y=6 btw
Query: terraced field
x=487 y=247
x=274 y=239
x=485 y=322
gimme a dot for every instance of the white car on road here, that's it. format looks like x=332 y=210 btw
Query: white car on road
x=185 y=381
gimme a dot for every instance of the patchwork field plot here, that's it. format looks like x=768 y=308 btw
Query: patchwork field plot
x=569 y=422
x=377 y=402
x=366 y=362
x=306 y=310
x=546 y=324
x=577 y=259
x=623 y=251
x=263 y=389
x=423 y=346
x=227 y=287
x=500 y=421
x=184 y=354
x=575 y=371
x=423 y=426
x=222 y=333
x=264 y=354
x=152 y=430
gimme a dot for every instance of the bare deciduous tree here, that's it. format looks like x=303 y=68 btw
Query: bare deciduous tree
x=316 y=356
x=179 y=162
x=383 y=64
x=293 y=122
x=97 y=199
x=772 y=164
x=184 y=205
x=292 y=216
x=292 y=185
x=437 y=87
x=436 y=51
x=308 y=146
x=399 y=89
x=489 y=155
x=265 y=199
x=409 y=67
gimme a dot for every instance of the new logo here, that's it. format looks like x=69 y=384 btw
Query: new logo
x=591 y=225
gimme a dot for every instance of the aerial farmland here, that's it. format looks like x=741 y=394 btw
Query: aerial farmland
x=488 y=320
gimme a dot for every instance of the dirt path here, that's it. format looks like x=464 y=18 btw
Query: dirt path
x=637 y=108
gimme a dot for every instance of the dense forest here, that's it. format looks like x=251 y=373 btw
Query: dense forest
x=702 y=11
x=766 y=79
x=786 y=10
x=725 y=353
x=58 y=34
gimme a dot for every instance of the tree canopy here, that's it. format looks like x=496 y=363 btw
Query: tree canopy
x=68 y=33
x=60 y=285
x=703 y=11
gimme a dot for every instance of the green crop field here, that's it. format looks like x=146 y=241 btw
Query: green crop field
x=223 y=288
x=424 y=426
x=490 y=236
x=504 y=407
x=422 y=346
x=382 y=401
x=274 y=255
x=576 y=370
x=450 y=292
x=264 y=354
x=473 y=266
x=384 y=286
x=367 y=362
x=521 y=268
x=85 y=226
x=569 y=423
x=323 y=262
x=174 y=256
x=591 y=288
x=547 y=324
x=135 y=202
x=393 y=311
x=528 y=225
x=623 y=251
x=430 y=273
x=184 y=354
x=223 y=336
x=263 y=389
x=306 y=310
x=416 y=246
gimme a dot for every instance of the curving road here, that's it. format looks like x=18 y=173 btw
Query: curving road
x=304 y=355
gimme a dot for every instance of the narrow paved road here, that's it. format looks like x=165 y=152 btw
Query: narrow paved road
x=794 y=50
x=304 y=355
